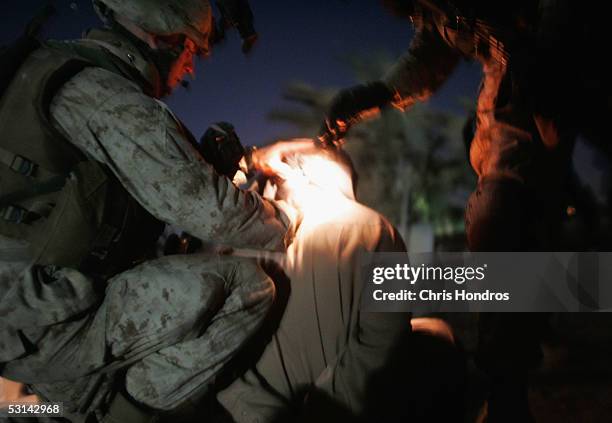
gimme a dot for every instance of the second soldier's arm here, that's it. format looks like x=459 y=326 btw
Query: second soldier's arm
x=423 y=69
x=112 y=121
x=414 y=77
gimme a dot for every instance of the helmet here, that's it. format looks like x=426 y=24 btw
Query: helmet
x=192 y=18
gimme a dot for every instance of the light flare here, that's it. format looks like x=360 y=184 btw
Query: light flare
x=314 y=184
x=311 y=184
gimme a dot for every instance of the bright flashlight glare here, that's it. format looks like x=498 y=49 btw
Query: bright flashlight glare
x=306 y=179
x=320 y=188
x=239 y=178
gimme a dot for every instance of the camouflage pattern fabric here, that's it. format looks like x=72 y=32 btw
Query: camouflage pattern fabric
x=174 y=322
x=521 y=153
x=515 y=145
x=112 y=121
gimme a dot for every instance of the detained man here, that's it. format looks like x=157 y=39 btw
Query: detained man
x=325 y=355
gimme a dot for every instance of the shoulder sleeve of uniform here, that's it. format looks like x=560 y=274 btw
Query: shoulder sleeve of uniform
x=81 y=99
x=148 y=150
x=423 y=69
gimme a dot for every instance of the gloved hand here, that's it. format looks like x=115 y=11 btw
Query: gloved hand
x=221 y=147
x=352 y=105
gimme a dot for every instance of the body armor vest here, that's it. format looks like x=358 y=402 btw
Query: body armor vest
x=71 y=210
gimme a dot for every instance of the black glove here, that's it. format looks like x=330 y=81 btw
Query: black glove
x=221 y=147
x=351 y=106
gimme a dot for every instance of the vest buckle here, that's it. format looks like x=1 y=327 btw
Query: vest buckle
x=23 y=166
x=13 y=214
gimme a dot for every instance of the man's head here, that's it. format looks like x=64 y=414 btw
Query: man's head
x=327 y=168
x=174 y=31
x=164 y=19
x=302 y=162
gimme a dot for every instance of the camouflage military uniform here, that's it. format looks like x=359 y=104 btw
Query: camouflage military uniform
x=174 y=321
x=521 y=148
x=524 y=135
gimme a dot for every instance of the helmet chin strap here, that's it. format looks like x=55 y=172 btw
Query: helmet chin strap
x=161 y=58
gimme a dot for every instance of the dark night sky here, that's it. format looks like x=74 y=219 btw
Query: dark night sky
x=299 y=41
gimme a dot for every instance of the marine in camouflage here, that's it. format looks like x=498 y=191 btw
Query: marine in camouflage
x=172 y=323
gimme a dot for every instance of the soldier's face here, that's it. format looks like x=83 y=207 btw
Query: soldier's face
x=183 y=65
